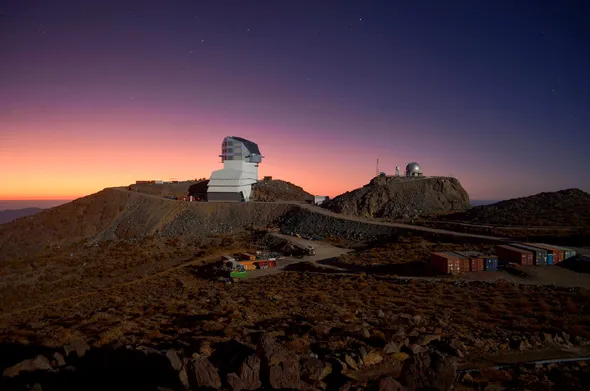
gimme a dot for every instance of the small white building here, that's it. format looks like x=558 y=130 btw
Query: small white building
x=318 y=200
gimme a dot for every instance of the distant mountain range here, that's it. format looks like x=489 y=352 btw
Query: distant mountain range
x=13 y=214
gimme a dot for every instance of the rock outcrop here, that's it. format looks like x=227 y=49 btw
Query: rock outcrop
x=278 y=190
x=402 y=198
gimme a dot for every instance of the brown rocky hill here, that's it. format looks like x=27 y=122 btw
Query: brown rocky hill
x=400 y=197
x=114 y=213
x=278 y=190
x=570 y=207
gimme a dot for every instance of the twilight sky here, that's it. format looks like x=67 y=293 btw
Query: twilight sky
x=101 y=93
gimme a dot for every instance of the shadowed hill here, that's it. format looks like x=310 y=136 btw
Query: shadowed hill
x=400 y=197
x=570 y=207
x=13 y=214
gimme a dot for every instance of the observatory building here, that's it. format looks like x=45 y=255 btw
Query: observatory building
x=240 y=158
x=413 y=169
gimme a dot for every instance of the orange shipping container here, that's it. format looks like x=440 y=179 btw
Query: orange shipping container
x=449 y=263
x=248 y=265
x=476 y=263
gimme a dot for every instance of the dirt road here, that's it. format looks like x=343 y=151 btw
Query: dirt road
x=323 y=251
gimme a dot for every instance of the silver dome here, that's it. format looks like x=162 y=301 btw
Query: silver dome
x=413 y=169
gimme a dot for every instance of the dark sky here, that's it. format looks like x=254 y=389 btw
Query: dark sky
x=495 y=93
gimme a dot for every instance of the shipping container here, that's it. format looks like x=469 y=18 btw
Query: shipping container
x=558 y=254
x=490 y=263
x=539 y=254
x=248 y=265
x=568 y=252
x=247 y=257
x=475 y=260
x=449 y=263
x=509 y=254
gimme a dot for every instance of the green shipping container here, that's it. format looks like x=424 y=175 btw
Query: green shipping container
x=238 y=274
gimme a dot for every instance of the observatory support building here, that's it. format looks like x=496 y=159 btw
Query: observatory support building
x=240 y=158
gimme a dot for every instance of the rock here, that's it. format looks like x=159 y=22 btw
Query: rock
x=248 y=376
x=390 y=384
x=279 y=368
x=366 y=333
x=39 y=363
x=381 y=314
x=362 y=351
x=391 y=348
x=493 y=387
x=59 y=359
x=372 y=358
x=565 y=336
x=425 y=339
x=400 y=356
x=204 y=374
x=351 y=362
x=417 y=319
x=183 y=377
x=395 y=197
x=36 y=387
x=417 y=349
x=174 y=359
x=467 y=378
x=314 y=370
x=79 y=346
x=433 y=369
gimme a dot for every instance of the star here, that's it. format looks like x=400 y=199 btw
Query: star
x=248 y=30
x=191 y=52
x=202 y=40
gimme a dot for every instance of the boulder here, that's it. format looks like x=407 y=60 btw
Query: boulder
x=314 y=370
x=430 y=369
x=204 y=374
x=59 y=359
x=39 y=363
x=248 y=376
x=79 y=346
x=174 y=359
x=372 y=358
x=391 y=348
x=388 y=383
x=279 y=368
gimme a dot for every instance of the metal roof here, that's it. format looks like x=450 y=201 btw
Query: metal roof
x=252 y=146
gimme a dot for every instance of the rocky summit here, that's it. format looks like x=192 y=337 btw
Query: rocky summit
x=401 y=198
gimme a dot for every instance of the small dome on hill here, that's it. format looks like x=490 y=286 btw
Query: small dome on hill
x=413 y=169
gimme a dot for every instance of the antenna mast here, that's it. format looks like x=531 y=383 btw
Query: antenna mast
x=377 y=168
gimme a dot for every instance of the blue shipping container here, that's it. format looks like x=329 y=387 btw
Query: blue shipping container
x=490 y=264
x=549 y=259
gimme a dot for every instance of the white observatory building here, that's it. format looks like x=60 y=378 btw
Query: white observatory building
x=240 y=158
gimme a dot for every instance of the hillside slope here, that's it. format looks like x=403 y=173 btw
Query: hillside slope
x=121 y=214
x=570 y=207
x=398 y=197
x=278 y=190
x=13 y=214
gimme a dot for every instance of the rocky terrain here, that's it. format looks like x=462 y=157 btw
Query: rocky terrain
x=564 y=208
x=13 y=214
x=402 y=198
x=108 y=292
x=278 y=190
